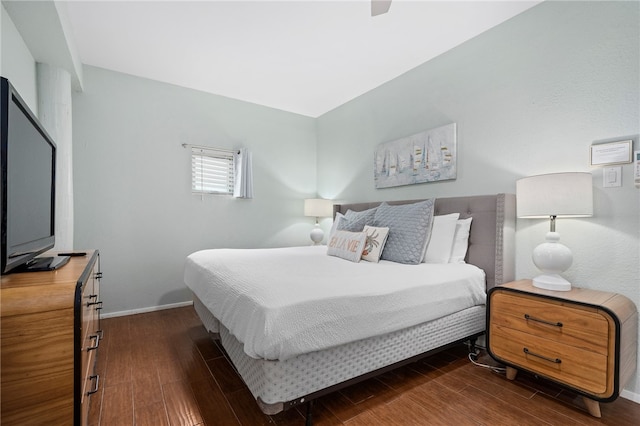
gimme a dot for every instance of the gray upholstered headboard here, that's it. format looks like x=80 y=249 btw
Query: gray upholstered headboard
x=492 y=238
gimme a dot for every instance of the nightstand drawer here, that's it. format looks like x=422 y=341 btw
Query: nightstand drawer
x=580 y=327
x=581 y=369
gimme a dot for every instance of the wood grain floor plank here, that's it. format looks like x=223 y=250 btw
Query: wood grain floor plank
x=246 y=409
x=193 y=365
x=403 y=379
x=367 y=418
x=118 y=368
x=454 y=378
x=406 y=411
x=207 y=348
x=435 y=397
x=168 y=363
x=575 y=409
x=117 y=406
x=151 y=415
x=320 y=415
x=368 y=392
x=340 y=406
x=500 y=381
x=553 y=411
x=225 y=375
x=214 y=407
x=181 y=404
x=490 y=410
x=289 y=418
x=147 y=390
x=196 y=385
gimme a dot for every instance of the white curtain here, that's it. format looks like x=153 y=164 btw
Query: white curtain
x=243 y=179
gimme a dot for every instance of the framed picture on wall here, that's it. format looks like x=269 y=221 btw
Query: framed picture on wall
x=427 y=156
x=606 y=154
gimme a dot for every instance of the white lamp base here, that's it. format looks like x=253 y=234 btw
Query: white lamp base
x=552 y=282
x=317 y=234
x=552 y=258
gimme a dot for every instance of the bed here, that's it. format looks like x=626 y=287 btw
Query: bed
x=289 y=356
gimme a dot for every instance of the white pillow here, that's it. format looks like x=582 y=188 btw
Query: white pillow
x=460 y=241
x=441 y=242
x=346 y=245
x=336 y=220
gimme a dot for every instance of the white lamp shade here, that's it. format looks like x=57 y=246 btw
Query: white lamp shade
x=550 y=196
x=318 y=207
x=556 y=194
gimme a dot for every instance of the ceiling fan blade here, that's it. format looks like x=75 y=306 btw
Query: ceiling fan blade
x=379 y=7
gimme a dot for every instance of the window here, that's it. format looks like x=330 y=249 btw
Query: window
x=211 y=171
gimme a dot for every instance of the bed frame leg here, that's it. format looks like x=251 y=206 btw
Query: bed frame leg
x=473 y=351
x=309 y=419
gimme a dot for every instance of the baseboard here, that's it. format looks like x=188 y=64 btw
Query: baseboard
x=631 y=396
x=143 y=310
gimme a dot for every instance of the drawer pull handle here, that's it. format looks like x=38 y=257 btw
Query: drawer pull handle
x=554 y=360
x=96 y=344
x=99 y=303
x=96 y=381
x=555 y=324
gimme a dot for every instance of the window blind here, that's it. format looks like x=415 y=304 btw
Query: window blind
x=211 y=171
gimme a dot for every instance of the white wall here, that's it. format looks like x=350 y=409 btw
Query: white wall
x=529 y=97
x=132 y=184
x=17 y=63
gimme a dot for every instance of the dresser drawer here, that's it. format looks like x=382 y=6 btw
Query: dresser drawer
x=578 y=368
x=91 y=340
x=570 y=324
x=89 y=383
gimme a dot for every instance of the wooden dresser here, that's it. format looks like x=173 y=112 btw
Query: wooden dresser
x=50 y=333
x=585 y=340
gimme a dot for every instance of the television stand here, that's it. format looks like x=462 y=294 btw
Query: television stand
x=47 y=263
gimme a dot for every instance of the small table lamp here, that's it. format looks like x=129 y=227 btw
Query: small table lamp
x=554 y=195
x=317 y=207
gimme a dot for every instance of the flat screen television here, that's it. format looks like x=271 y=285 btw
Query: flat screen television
x=28 y=187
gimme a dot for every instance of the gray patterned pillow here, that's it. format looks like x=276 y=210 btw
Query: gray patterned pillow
x=353 y=224
x=366 y=215
x=409 y=228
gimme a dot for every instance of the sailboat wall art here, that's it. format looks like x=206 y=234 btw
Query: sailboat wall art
x=428 y=156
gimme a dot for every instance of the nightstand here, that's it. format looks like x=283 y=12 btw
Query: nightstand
x=585 y=340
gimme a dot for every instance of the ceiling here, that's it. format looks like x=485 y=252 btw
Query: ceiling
x=305 y=56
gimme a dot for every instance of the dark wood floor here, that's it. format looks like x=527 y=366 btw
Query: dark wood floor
x=162 y=368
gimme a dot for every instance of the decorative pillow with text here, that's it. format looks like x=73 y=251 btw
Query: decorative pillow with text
x=346 y=245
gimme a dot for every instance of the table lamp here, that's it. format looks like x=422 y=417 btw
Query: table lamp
x=317 y=207
x=554 y=195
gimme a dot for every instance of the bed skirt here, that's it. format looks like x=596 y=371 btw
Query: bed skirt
x=278 y=385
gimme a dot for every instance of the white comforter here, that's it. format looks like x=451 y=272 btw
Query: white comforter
x=288 y=301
